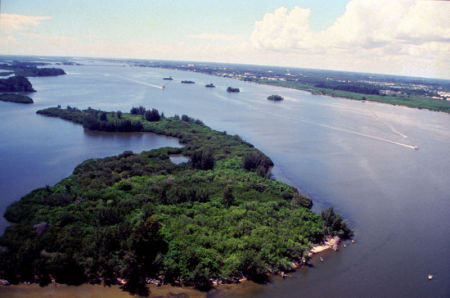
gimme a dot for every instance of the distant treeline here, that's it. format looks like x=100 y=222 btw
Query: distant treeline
x=95 y=119
x=29 y=69
x=351 y=87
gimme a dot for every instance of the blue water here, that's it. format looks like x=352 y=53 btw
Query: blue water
x=356 y=156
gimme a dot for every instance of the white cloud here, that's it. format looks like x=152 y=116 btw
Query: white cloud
x=14 y=22
x=395 y=31
x=215 y=36
x=282 y=29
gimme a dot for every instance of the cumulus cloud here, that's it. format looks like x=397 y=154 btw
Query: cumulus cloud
x=282 y=29
x=215 y=36
x=368 y=28
x=14 y=22
x=365 y=23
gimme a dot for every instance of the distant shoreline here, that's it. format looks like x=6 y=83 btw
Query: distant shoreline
x=335 y=94
x=414 y=101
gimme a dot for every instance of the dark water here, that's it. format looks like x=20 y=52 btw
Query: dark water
x=358 y=157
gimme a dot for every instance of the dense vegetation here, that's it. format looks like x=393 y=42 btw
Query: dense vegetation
x=31 y=69
x=39 y=72
x=135 y=216
x=16 y=84
x=17 y=98
x=350 y=87
x=413 y=100
x=275 y=98
x=233 y=90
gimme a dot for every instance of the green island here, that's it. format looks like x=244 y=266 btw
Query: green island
x=133 y=219
x=275 y=98
x=413 y=101
x=17 y=98
x=16 y=84
x=233 y=90
x=31 y=69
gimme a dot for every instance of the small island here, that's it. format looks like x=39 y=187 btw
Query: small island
x=134 y=219
x=16 y=84
x=17 y=98
x=211 y=85
x=233 y=90
x=275 y=98
x=187 y=82
x=31 y=69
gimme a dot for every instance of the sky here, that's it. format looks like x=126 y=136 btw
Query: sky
x=405 y=37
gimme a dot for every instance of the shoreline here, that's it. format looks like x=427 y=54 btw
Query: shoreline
x=315 y=92
x=156 y=286
x=318 y=93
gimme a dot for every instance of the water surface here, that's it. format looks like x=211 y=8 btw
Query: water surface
x=358 y=157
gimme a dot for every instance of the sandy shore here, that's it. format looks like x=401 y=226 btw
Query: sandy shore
x=330 y=243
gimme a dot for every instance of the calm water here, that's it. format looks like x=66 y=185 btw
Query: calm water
x=358 y=157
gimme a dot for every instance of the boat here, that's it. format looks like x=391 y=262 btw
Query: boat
x=168 y=79
x=210 y=86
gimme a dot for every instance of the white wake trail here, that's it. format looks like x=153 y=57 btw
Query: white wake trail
x=142 y=83
x=393 y=129
x=363 y=135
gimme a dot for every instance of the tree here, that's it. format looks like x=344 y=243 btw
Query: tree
x=228 y=198
x=203 y=159
x=152 y=115
x=91 y=122
x=257 y=162
x=137 y=111
x=334 y=224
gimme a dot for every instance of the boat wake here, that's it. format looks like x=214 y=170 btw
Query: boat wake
x=413 y=147
x=393 y=129
x=144 y=83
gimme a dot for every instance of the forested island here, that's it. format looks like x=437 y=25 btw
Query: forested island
x=16 y=84
x=275 y=98
x=31 y=69
x=17 y=98
x=233 y=90
x=137 y=218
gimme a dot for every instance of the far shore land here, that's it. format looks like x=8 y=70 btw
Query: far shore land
x=416 y=103
x=413 y=100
